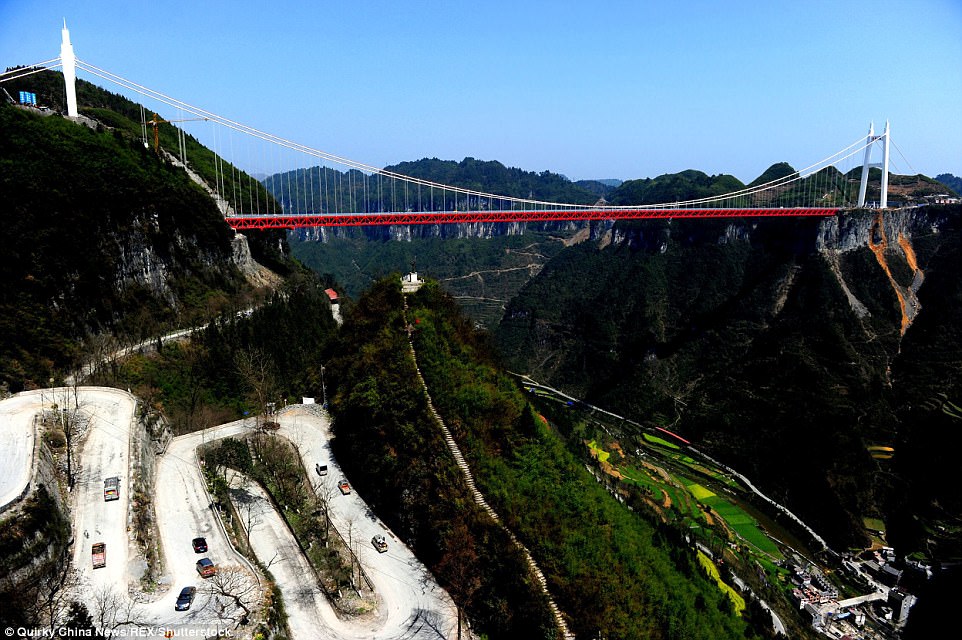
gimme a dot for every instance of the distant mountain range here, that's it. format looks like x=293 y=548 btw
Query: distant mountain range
x=952 y=182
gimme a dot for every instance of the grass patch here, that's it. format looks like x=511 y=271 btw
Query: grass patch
x=660 y=441
x=598 y=452
x=738 y=602
x=700 y=492
x=874 y=524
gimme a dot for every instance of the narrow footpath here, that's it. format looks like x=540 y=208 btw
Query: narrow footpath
x=479 y=497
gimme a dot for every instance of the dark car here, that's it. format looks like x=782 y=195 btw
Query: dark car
x=206 y=568
x=185 y=598
x=200 y=545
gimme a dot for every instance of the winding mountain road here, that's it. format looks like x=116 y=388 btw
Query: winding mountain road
x=410 y=603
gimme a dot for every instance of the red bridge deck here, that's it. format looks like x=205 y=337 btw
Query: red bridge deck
x=456 y=217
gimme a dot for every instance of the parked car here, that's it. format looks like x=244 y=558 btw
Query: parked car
x=111 y=489
x=321 y=469
x=185 y=599
x=344 y=486
x=199 y=544
x=206 y=568
x=379 y=543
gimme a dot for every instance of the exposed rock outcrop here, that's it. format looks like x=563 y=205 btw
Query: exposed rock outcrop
x=889 y=235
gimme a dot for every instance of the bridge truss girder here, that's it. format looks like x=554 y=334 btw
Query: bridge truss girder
x=241 y=223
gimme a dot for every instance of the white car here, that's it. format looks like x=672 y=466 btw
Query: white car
x=379 y=543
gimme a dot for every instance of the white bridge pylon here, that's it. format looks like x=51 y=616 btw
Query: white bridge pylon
x=69 y=62
x=872 y=139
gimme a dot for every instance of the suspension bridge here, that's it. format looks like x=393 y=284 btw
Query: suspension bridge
x=309 y=187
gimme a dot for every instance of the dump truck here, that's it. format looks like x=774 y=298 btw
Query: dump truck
x=98 y=555
x=112 y=489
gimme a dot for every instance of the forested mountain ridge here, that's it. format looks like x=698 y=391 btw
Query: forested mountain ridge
x=954 y=183
x=786 y=348
x=102 y=235
x=319 y=189
x=684 y=185
x=613 y=572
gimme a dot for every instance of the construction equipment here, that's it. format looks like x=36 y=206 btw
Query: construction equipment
x=158 y=120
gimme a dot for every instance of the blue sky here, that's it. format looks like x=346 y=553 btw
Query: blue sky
x=587 y=89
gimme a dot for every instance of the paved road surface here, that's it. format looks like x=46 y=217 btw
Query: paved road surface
x=410 y=602
x=17 y=438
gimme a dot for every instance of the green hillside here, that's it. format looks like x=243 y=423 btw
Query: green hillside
x=613 y=572
x=741 y=338
x=101 y=235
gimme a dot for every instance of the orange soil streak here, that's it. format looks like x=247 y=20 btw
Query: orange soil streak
x=909 y=252
x=666 y=503
x=879 y=251
x=661 y=472
x=616 y=448
x=610 y=470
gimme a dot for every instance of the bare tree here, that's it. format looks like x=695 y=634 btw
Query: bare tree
x=325 y=490
x=102 y=349
x=196 y=415
x=435 y=621
x=459 y=568
x=237 y=590
x=354 y=548
x=248 y=512
x=69 y=415
x=257 y=370
x=51 y=592
x=274 y=558
x=111 y=608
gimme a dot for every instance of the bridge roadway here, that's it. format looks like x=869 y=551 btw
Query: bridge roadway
x=286 y=221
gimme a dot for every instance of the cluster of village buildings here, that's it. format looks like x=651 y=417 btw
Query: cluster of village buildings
x=879 y=614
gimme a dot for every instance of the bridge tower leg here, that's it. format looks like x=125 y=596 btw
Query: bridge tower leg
x=884 y=187
x=69 y=61
x=868 y=152
x=884 y=198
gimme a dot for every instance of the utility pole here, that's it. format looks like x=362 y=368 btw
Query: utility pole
x=323 y=389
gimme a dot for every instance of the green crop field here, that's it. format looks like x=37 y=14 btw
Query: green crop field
x=743 y=524
x=700 y=492
x=660 y=442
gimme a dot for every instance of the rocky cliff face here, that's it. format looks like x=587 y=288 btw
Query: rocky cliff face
x=409 y=232
x=256 y=274
x=889 y=236
x=149 y=257
x=760 y=340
